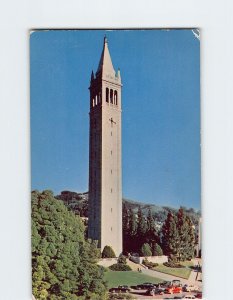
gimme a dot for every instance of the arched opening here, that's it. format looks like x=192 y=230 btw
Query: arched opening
x=107 y=95
x=96 y=100
x=111 y=96
x=115 y=97
x=93 y=102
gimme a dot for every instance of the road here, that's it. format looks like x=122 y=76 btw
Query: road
x=142 y=295
x=190 y=281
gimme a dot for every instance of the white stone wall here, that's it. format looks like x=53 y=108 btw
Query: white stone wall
x=107 y=262
x=155 y=259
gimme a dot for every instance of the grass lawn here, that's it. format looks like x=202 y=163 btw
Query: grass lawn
x=187 y=263
x=179 y=272
x=115 y=278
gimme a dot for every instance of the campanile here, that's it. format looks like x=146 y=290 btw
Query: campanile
x=105 y=172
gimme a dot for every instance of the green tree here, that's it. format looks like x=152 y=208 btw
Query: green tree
x=178 y=236
x=125 y=228
x=150 y=221
x=170 y=236
x=156 y=250
x=108 y=252
x=142 y=226
x=187 y=236
x=125 y=220
x=151 y=235
x=122 y=260
x=132 y=223
x=63 y=262
x=130 y=238
x=145 y=250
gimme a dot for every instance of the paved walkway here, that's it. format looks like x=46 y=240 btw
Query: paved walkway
x=133 y=266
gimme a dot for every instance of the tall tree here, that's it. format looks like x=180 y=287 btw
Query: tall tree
x=125 y=220
x=125 y=227
x=132 y=223
x=130 y=242
x=187 y=236
x=151 y=235
x=63 y=262
x=150 y=221
x=178 y=238
x=142 y=226
x=170 y=236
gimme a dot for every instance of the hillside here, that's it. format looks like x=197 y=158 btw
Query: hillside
x=78 y=202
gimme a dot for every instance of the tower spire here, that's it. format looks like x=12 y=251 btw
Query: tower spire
x=105 y=64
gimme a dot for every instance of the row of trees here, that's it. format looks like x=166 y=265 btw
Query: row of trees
x=63 y=262
x=138 y=229
x=176 y=238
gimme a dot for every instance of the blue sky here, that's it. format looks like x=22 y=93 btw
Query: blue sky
x=160 y=71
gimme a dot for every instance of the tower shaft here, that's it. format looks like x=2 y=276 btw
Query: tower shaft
x=105 y=170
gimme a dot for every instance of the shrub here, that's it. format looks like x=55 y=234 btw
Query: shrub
x=108 y=252
x=157 y=250
x=120 y=296
x=120 y=267
x=122 y=260
x=146 y=250
x=149 y=264
x=172 y=264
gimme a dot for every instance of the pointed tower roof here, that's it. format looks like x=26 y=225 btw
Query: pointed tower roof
x=105 y=64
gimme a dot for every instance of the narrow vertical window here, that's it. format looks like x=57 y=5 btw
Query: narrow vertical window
x=111 y=96
x=107 y=95
x=115 y=97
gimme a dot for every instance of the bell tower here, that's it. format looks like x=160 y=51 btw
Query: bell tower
x=105 y=174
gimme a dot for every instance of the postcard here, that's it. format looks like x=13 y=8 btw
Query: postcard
x=115 y=164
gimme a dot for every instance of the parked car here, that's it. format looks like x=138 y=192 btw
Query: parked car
x=145 y=286
x=198 y=296
x=134 y=287
x=154 y=291
x=165 y=283
x=190 y=288
x=188 y=297
x=120 y=289
x=176 y=282
x=173 y=290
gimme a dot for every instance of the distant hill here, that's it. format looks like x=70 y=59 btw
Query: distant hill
x=78 y=202
x=160 y=212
